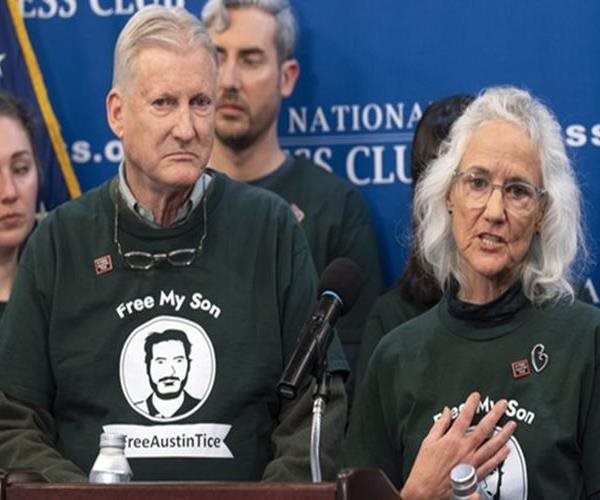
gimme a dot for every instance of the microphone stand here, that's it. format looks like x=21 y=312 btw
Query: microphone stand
x=320 y=398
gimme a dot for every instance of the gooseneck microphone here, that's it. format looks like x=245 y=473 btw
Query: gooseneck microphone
x=338 y=290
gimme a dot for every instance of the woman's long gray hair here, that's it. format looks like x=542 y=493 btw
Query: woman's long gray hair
x=546 y=269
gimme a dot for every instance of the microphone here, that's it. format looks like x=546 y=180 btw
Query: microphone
x=338 y=290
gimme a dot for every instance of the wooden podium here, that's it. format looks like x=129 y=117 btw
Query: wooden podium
x=351 y=484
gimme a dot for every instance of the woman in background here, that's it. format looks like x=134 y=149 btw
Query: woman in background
x=416 y=290
x=19 y=185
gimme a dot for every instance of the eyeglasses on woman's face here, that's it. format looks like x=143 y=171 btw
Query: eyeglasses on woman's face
x=476 y=188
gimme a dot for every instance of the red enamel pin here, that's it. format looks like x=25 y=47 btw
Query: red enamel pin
x=520 y=368
x=103 y=264
x=299 y=214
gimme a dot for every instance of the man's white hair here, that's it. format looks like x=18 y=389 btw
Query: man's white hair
x=156 y=26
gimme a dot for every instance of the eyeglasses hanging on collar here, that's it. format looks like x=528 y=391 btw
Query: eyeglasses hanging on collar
x=181 y=257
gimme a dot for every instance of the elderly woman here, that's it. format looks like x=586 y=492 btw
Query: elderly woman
x=19 y=181
x=499 y=224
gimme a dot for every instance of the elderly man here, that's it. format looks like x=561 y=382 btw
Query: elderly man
x=167 y=245
x=255 y=41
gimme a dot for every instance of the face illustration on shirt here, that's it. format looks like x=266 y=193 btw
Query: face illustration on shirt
x=168 y=368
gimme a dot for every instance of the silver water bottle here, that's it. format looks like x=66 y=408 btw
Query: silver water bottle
x=464 y=483
x=111 y=465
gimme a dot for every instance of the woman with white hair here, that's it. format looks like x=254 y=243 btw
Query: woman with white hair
x=498 y=214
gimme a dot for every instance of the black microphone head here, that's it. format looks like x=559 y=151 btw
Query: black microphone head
x=344 y=277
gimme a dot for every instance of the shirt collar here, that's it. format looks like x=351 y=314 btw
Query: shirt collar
x=280 y=171
x=145 y=213
x=501 y=310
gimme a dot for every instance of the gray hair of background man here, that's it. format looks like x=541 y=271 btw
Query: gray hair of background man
x=547 y=267
x=215 y=16
x=155 y=26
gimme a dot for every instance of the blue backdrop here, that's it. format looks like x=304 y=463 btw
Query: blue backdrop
x=368 y=69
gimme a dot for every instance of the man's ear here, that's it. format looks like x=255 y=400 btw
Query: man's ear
x=114 y=111
x=290 y=71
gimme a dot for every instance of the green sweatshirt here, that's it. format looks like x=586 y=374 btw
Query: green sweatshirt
x=336 y=222
x=544 y=362
x=74 y=342
x=389 y=311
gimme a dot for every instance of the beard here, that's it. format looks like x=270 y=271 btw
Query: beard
x=169 y=395
x=237 y=141
x=241 y=135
